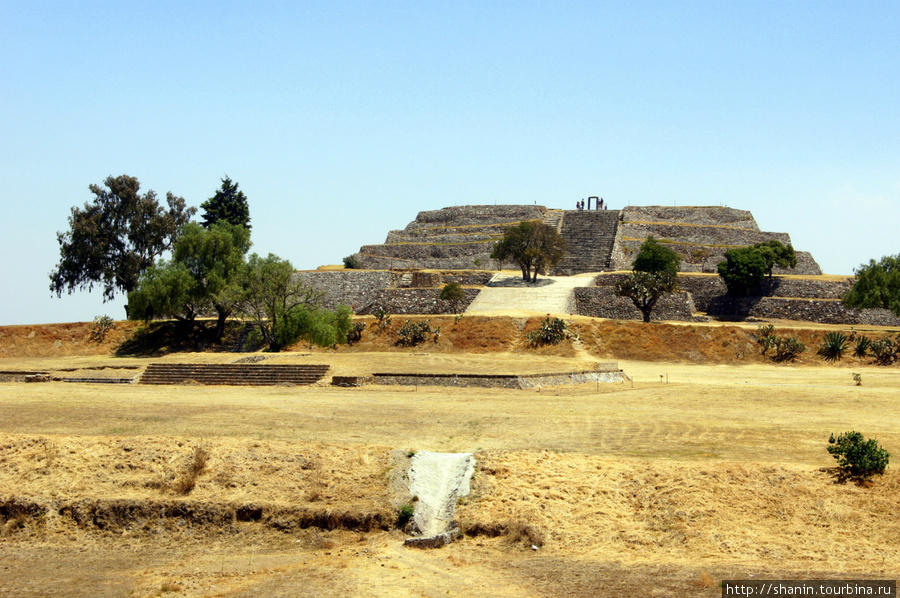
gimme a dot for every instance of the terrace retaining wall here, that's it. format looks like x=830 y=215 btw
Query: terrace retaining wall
x=605 y=373
x=781 y=298
x=602 y=302
x=360 y=289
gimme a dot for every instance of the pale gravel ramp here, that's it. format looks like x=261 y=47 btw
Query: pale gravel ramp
x=551 y=294
x=437 y=480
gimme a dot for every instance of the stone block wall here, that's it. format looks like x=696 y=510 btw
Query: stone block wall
x=706 y=289
x=474 y=215
x=699 y=235
x=602 y=302
x=781 y=298
x=468 y=254
x=397 y=291
x=416 y=301
x=606 y=372
x=460 y=237
x=822 y=311
x=463 y=237
x=702 y=215
x=355 y=288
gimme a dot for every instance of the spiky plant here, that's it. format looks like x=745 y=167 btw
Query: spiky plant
x=862 y=346
x=835 y=344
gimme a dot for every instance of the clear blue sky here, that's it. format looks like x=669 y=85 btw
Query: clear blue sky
x=341 y=120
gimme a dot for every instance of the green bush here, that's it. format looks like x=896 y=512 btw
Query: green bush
x=788 y=348
x=415 y=333
x=552 y=332
x=454 y=293
x=404 y=514
x=351 y=262
x=321 y=327
x=655 y=257
x=835 y=344
x=743 y=270
x=857 y=456
x=884 y=351
x=765 y=336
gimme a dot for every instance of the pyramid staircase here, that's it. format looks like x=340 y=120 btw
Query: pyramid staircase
x=232 y=374
x=593 y=233
x=554 y=219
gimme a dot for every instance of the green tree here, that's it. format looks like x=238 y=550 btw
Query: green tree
x=115 y=238
x=166 y=290
x=877 y=285
x=645 y=288
x=743 y=270
x=776 y=253
x=454 y=293
x=653 y=274
x=653 y=256
x=286 y=309
x=531 y=244
x=201 y=278
x=228 y=205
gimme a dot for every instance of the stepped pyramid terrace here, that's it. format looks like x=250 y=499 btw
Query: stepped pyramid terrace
x=404 y=274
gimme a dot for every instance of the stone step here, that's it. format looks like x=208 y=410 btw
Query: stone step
x=591 y=234
x=233 y=374
x=95 y=380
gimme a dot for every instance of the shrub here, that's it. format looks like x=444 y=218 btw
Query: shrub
x=415 y=333
x=834 y=345
x=551 y=332
x=404 y=514
x=857 y=456
x=102 y=325
x=321 y=327
x=382 y=318
x=884 y=351
x=355 y=333
x=765 y=336
x=862 y=346
x=655 y=257
x=743 y=270
x=351 y=262
x=788 y=348
x=454 y=293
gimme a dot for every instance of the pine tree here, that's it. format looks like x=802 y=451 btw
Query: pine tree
x=228 y=205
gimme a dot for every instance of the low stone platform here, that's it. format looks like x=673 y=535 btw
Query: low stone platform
x=232 y=374
x=606 y=373
x=98 y=380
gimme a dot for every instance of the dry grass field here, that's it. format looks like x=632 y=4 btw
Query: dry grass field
x=709 y=464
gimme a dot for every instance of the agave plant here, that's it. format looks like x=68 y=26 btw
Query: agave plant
x=862 y=346
x=835 y=344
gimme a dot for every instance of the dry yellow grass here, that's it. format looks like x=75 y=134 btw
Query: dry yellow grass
x=687 y=513
x=692 y=473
